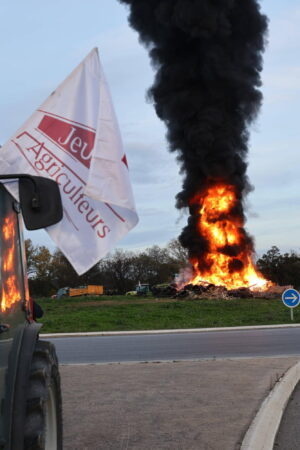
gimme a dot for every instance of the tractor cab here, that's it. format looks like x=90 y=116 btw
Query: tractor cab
x=14 y=308
x=142 y=289
x=20 y=348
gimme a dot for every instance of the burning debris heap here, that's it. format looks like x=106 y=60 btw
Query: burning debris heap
x=208 y=58
x=211 y=291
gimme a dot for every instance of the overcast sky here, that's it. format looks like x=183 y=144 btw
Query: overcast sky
x=41 y=42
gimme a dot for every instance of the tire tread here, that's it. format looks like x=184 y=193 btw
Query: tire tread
x=44 y=372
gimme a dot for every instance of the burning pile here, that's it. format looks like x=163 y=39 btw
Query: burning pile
x=227 y=260
x=205 y=290
x=208 y=57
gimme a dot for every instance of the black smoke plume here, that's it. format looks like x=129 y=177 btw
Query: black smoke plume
x=208 y=58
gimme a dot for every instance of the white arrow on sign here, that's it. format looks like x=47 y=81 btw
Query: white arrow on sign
x=293 y=297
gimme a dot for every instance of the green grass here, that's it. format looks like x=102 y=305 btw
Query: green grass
x=71 y=315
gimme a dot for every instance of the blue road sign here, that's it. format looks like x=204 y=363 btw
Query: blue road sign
x=291 y=298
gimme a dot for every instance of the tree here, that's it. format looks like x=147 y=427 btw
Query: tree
x=281 y=269
x=177 y=252
x=269 y=264
x=117 y=271
x=120 y=271
x=42 y=262
x=155 y=266
x=39 y=267
x=64 y=275
x=30 y=253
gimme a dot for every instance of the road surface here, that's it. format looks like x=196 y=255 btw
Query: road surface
x=288 y=436
x=176 y=347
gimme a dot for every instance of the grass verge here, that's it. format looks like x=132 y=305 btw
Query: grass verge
x=120 y=313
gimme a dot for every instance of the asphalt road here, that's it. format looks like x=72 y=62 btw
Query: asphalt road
x=175 y=347
x=288 y=435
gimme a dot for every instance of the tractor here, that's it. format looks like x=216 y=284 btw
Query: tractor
x=30 y=396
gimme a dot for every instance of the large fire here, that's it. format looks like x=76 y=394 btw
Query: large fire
x=228 y=260
x=10 y=291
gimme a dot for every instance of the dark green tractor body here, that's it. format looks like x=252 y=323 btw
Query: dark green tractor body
x=29 y=379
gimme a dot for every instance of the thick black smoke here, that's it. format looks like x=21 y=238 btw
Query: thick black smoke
x=208 y=57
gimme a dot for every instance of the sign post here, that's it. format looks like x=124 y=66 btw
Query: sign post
x=291 y=299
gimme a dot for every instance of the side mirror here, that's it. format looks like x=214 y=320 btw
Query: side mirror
x=40 y=200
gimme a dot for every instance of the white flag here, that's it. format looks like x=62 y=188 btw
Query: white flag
x=74 y=139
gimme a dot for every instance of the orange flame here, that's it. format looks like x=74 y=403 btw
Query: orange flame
x=10 y=290
x=229 y=259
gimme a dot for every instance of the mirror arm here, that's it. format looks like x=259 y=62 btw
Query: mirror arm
x=35 y=201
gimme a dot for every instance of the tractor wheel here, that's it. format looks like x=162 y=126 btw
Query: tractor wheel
x=43 y=423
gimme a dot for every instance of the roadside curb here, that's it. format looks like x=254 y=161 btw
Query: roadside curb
x=263 y=429
x=178 y=331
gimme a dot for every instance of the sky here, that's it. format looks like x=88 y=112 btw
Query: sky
x=41 y=43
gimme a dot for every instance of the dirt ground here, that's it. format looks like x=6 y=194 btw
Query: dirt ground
x=188 y=405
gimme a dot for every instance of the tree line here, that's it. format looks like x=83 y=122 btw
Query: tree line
x=121 y=270
x=282 y=269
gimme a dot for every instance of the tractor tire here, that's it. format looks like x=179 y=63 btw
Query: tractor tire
x=43 y=422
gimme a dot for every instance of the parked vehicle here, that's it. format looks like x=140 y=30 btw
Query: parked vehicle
x=140 y=290
x=81 y=290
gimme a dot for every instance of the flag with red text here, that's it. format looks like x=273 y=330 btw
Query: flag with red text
x=74 y=139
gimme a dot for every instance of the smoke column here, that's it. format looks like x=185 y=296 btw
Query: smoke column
x=208 y=58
